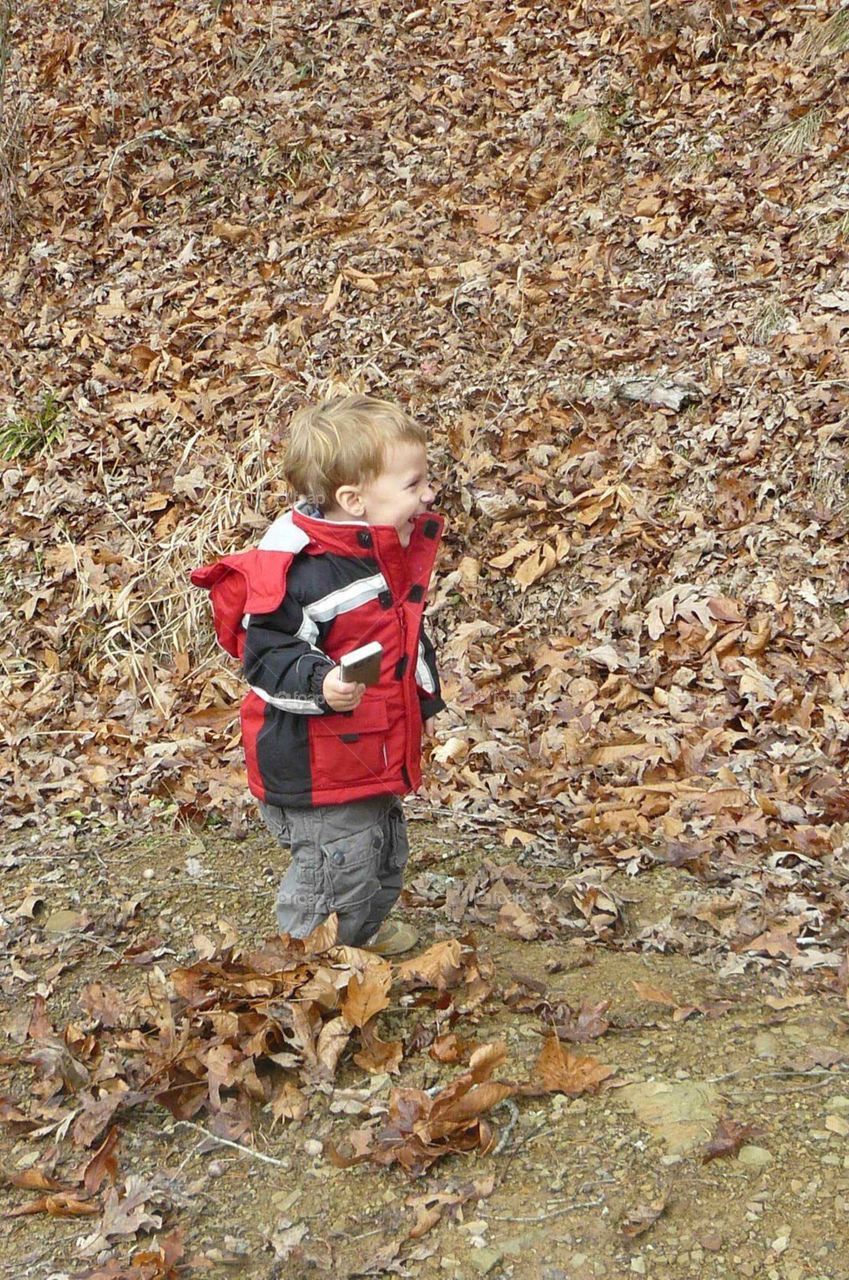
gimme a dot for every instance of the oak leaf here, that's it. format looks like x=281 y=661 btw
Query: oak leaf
x=562 y=1072
x=368 y=995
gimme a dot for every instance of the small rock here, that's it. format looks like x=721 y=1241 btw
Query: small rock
x=754 y=1157
x=779 y=1244
x=766 y=1045
x=236 y=1245
x=230 y=106
x=712 y=1241
x=148 y=873
x=838 y=1103
x=836 y=1124
x=215 y=1168
x=313 y=1147
x=638 y=1265
x=64 y=921
x=485 y=1260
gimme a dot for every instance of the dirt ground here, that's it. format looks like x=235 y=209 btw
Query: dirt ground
x=575 y=1180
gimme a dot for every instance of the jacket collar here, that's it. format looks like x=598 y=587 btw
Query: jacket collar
x=401 y=566
x=359 y=538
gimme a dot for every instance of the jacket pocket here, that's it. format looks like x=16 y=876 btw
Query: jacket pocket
x=348 y=749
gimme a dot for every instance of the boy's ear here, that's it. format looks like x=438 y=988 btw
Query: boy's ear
x=349 y=499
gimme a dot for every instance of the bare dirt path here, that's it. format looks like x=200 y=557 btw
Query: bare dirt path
x=605 y=1184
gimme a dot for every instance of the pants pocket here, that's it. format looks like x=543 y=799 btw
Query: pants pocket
x=350 y=868
x=398 y=845
x=275 y=820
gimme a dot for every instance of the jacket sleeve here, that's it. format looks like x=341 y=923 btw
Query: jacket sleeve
x=427 y=678
x=281 y=665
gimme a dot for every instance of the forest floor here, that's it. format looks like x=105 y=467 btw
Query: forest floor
x=602 y=252
x=612 y=1183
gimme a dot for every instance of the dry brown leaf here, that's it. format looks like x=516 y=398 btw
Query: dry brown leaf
x=516 y=922
x=105 y=1004
x=63 y=1204
x=637 y=1221
x=123 y=1215
x=288 y=1102
x=103 y=1164
x=727 y=1139
x=34 y=1179
x=580 y=1025
x=441 y=966
x=433 y=1206
x=450 y=1048
x=332 y=1039
x=377 y=1055
x=654 y=995
x=420 y=1130
x=562 y=1072
x=368 y=995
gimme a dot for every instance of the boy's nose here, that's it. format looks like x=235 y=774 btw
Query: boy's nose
x=428 y=494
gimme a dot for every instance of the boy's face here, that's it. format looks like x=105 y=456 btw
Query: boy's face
x=401 y=492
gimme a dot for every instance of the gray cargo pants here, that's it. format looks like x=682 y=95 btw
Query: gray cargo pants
x=347 y=858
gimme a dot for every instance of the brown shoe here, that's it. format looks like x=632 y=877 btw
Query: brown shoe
x=392 y=939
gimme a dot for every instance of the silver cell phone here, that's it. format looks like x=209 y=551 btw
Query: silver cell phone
x=362 y=666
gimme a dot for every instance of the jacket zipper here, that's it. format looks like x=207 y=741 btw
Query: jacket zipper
x=405 y=688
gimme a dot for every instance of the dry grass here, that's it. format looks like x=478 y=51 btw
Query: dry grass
x=796 y=138
x=12 y=129
x=158 y=614
x=830 y=37
x=830 y=477
x=770 y=319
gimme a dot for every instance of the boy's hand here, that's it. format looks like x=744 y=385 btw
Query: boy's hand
x=339 y=694
x=430 y=726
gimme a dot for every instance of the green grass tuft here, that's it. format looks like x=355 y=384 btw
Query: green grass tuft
x=32 y=435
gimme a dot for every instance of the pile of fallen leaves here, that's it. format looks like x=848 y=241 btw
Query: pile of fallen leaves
x=602 y=254
x=270 y=1030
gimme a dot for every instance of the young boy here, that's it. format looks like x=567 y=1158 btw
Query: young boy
x=327 y=759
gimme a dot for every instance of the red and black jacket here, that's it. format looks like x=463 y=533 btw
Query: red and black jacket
x=310 y=592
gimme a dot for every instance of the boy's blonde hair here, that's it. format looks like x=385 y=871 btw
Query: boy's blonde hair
x=343 y=441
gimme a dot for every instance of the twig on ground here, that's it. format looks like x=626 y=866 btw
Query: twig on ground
x=784 y=1073
x=235 y=1146
x=563 y=1208
x=151 y=135
x=804 y=1088
x=510 y=1106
